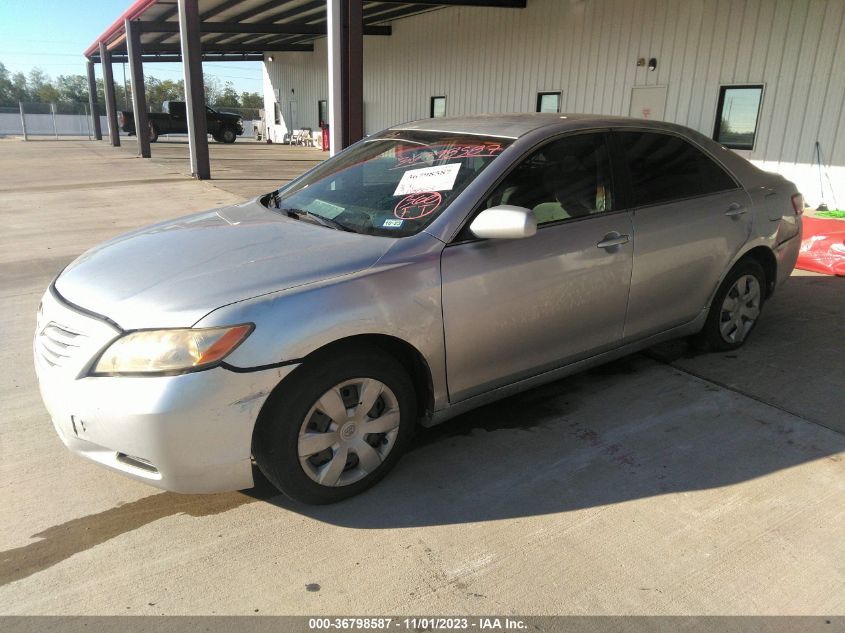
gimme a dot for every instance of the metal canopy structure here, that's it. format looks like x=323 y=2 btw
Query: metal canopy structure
x=194 y=31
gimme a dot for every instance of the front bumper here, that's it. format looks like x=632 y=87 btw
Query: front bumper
x=189 y=433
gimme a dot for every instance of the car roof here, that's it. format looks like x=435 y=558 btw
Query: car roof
x=514 y=125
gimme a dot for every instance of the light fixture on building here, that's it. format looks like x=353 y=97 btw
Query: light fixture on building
x=652 y=63
x=269 y=58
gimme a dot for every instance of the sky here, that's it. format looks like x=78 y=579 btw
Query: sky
x=52 y=34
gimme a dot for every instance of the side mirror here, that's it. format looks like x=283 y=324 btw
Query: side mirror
x=504 y=222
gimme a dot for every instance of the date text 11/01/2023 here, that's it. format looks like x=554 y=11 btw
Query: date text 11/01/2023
x=421 y=623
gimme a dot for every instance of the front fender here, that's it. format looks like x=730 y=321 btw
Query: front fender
x=398 y=297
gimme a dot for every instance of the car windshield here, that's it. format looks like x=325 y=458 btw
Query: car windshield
x=393 y=184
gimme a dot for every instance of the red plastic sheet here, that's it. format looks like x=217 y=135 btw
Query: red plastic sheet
x=822 y=246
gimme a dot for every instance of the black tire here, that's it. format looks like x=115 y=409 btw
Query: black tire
x=710 y=338
x=228 y=135
x=275 y=441
x=153 y=132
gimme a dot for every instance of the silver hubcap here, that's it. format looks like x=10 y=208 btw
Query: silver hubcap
x=348 y=432
x=740 y=309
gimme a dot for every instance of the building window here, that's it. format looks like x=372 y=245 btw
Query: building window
x=737 y=116
x=548 y=102
x=322 y=113
x=438 y=107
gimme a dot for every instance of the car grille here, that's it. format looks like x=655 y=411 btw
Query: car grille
x=58 y=345
x=67 y=339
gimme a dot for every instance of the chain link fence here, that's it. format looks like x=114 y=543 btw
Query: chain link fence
x=48 y=119
x=74 y=119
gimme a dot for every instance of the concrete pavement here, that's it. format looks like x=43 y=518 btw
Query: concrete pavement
x=246 y=168
x=707 y=486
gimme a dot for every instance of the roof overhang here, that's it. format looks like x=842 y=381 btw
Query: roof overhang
x=246 y=29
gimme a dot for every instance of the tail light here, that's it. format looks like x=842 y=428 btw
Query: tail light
x=798 y=204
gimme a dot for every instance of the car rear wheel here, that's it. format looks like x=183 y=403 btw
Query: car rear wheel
x=336 y=427
x=735 y=309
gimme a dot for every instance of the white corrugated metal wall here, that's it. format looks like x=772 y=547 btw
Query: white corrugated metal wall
x=497 y=60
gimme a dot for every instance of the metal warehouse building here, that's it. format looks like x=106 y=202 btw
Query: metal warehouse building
x=764 y=77
x=770 y=71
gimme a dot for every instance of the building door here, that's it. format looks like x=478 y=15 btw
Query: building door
x=292 y=113
x=648 y=102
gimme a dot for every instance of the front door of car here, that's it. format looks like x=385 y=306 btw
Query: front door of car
x=515 y=308
x=690 y=219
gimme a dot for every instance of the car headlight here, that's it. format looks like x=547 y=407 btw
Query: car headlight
x=170 y=351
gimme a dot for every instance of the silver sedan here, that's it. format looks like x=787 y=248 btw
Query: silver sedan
x=426 y=270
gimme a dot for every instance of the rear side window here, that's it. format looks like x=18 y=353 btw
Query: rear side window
x=665 y=167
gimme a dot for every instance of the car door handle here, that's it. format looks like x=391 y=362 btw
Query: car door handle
x=735 y=209
x=613 y=239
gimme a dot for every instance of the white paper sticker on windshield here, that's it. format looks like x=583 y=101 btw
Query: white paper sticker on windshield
x=441 y=178
x=326 y=209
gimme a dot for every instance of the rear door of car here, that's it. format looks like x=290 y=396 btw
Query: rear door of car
x=690 y=219
x=515 y=308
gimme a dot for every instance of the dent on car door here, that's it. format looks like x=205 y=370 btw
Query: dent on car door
x=690 y=219
x=515 y=308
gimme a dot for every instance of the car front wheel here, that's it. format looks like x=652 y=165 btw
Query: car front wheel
x=228 y=135
x=336 y=427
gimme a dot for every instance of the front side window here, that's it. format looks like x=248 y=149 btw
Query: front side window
x=737 y=115
x=438 y=107
x=393 y=184
x=567 y=178
x=665 y=167
x=548 y=102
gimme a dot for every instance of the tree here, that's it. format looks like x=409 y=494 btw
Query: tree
x=37 y=86
x=158 y=91
x=20 y=91
x=212 y=89
x=5 y=86
x=252 y=100
x=228 y=97
x=41 y=87
x=72 y=88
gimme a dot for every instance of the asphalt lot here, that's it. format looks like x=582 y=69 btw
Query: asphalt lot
x=667 y=483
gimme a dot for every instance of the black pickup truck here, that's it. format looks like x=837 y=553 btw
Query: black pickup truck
x=225 y=127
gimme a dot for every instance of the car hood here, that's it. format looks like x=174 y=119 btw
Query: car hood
x=174 y=273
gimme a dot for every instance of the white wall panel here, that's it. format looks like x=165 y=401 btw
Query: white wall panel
x=497 y=60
